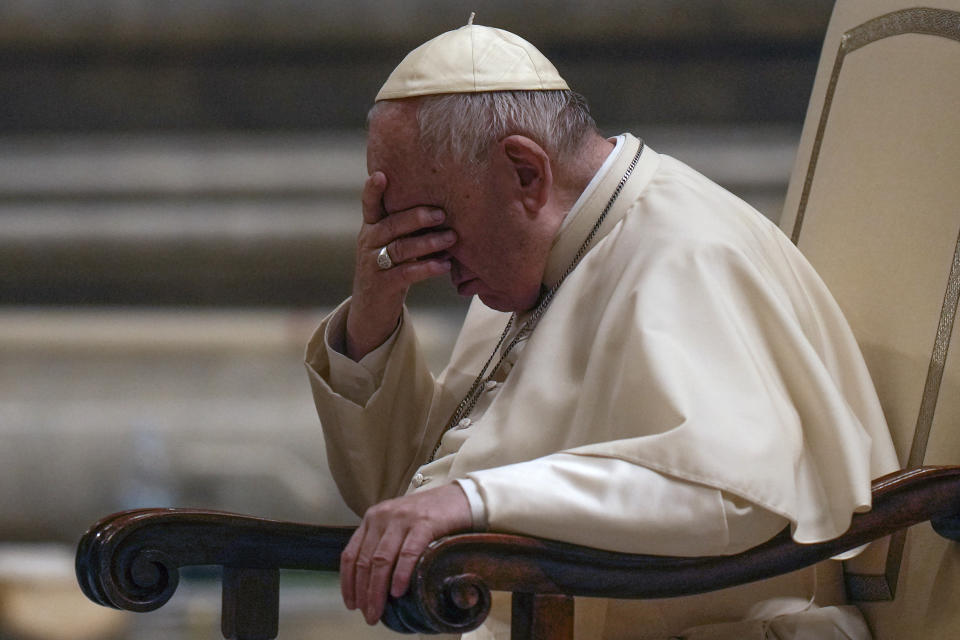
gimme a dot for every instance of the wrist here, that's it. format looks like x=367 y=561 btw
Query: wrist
x=361 y=340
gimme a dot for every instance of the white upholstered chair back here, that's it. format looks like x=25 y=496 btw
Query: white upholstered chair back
x=874 y=203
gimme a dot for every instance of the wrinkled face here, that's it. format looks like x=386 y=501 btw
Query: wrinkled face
x=496 y=256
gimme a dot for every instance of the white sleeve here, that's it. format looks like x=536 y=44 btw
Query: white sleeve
x=354 y=380
x=372 y=442
x=478 y=510
x=613 y=504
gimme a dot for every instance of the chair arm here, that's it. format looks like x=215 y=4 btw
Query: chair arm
x=450 y=589
x=130 y=560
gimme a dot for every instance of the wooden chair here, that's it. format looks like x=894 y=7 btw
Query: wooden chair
x=875 y=203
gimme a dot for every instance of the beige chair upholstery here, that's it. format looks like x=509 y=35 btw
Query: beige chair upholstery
x=874 y=203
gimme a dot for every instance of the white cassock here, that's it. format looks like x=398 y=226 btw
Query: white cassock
x=692 y=389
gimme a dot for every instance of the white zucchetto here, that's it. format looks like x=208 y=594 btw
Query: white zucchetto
x=471 y=59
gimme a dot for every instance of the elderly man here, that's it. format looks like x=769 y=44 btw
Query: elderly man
x=647 y=366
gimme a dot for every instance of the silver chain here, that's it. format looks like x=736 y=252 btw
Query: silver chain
x=473 y=395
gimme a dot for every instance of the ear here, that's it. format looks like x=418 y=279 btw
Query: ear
x=531 y=173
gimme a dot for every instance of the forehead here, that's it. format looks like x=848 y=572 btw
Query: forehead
x=393 y=137
x=393 y=148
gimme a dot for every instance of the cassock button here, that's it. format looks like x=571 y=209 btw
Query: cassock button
x=464 y=423
x=490 y=385
x=419 y=480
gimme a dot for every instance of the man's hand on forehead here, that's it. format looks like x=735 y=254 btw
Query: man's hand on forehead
x=393 y=252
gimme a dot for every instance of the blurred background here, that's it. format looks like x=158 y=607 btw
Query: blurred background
x=179 y=189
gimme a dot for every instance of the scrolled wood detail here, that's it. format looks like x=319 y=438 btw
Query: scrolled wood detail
x=462 y=602
x=529 y=565
x=115 y=569
x=466 y=593
x=445 y=604
x=131 y=560
x=148 y=580
x=947 y=527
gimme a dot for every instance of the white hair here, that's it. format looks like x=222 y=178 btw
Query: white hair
x=463 y=126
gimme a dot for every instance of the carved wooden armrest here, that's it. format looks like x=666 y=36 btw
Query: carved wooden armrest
x=130 y=561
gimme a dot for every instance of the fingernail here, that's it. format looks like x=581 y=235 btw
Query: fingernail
x=437 y=215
